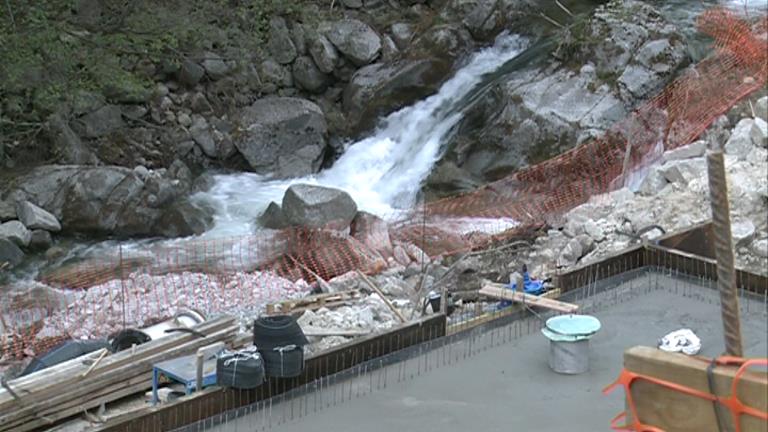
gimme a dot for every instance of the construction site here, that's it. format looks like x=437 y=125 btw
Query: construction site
x=608 y=288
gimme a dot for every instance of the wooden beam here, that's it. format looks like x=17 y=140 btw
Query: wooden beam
x=311 y=331
x=501 y=292
x=383 y=297
x=675 y=411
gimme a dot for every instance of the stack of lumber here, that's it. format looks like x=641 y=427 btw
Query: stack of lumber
x=313 y=302
x=499 y=291
x=70 y=388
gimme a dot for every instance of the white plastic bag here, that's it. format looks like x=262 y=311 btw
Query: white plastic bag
x=683 y=340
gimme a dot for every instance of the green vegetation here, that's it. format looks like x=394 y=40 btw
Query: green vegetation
x=54 y=49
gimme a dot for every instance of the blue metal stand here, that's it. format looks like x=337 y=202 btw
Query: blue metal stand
x=183 y=370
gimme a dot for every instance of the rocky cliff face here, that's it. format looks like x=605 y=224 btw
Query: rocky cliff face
x=603 y=65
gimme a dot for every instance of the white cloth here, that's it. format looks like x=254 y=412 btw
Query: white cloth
x=684 y=340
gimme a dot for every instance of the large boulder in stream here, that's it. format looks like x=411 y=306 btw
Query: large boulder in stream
x=317 y=206
x=283 y=136
x=105 y=200
x=602 y=67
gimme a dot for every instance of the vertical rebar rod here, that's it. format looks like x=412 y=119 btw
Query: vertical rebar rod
x=726 y=274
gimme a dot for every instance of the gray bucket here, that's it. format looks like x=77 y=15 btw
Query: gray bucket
x=569 y=342
x=569 y=357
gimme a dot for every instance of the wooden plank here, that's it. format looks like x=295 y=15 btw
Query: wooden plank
x=383 y=297
x=310 y=331
x=48 y=398
x=501 y=292
x=491 y=316
x=66 y=374
x=312 y=302
x=675 y=411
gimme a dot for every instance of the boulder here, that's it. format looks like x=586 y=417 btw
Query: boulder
x=10 y=254
x=740 y=143
x=280 y=44
x=104 y=200
x=356 y=40
x=40 y=241
x=692 y=150
x=760 y=248
x=317 y=206
x=684 y=171
x=324 y=54
x=202 y=135
x=594 y=231
x=653 y=182
x=34 y=217
x=373 y=232
x=759 y=133
x=447 y=41
x=353 y=4
x=273 y=217
x=307 y=75
x=185 y=218
x=402 y=33
x=67 y=143
x=379 y=89
x=215 y=66
x=7 y=210
x=570 y=254
x=742 y=232
x=101 y=122
x=190 y=73
x=16 y=232
x=284 y=137
x=761 y=108
x=274 y=73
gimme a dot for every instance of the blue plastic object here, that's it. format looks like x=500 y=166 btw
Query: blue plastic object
x=530 y=286
x=571 y=328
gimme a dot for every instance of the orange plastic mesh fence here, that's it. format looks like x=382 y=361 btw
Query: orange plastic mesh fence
x=240 y=275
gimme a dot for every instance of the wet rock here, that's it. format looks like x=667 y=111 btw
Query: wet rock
x=280 y=45
x=402 y=34
x=34 y=217
x=7 y=210
x=356 y=40
x=16 y=232
x=40 y=240
x=282 y=136
x=308 y=76
x=273 y=217
x=185 y=218
x=379 y=89
x=190 y=73
x=324 y=54
x=10 y=254
x=449 y=41
x=317 y=206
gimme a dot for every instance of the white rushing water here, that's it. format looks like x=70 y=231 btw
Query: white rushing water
x=384 y=172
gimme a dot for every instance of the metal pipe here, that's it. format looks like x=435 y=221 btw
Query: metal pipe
x=726 y=273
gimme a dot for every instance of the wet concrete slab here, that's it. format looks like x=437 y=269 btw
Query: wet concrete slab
x=509 y=386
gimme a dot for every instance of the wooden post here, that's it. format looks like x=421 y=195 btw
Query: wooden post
x=726 y=273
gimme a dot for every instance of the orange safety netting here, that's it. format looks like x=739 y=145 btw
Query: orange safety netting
x=736 y=407
x=240 y=275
